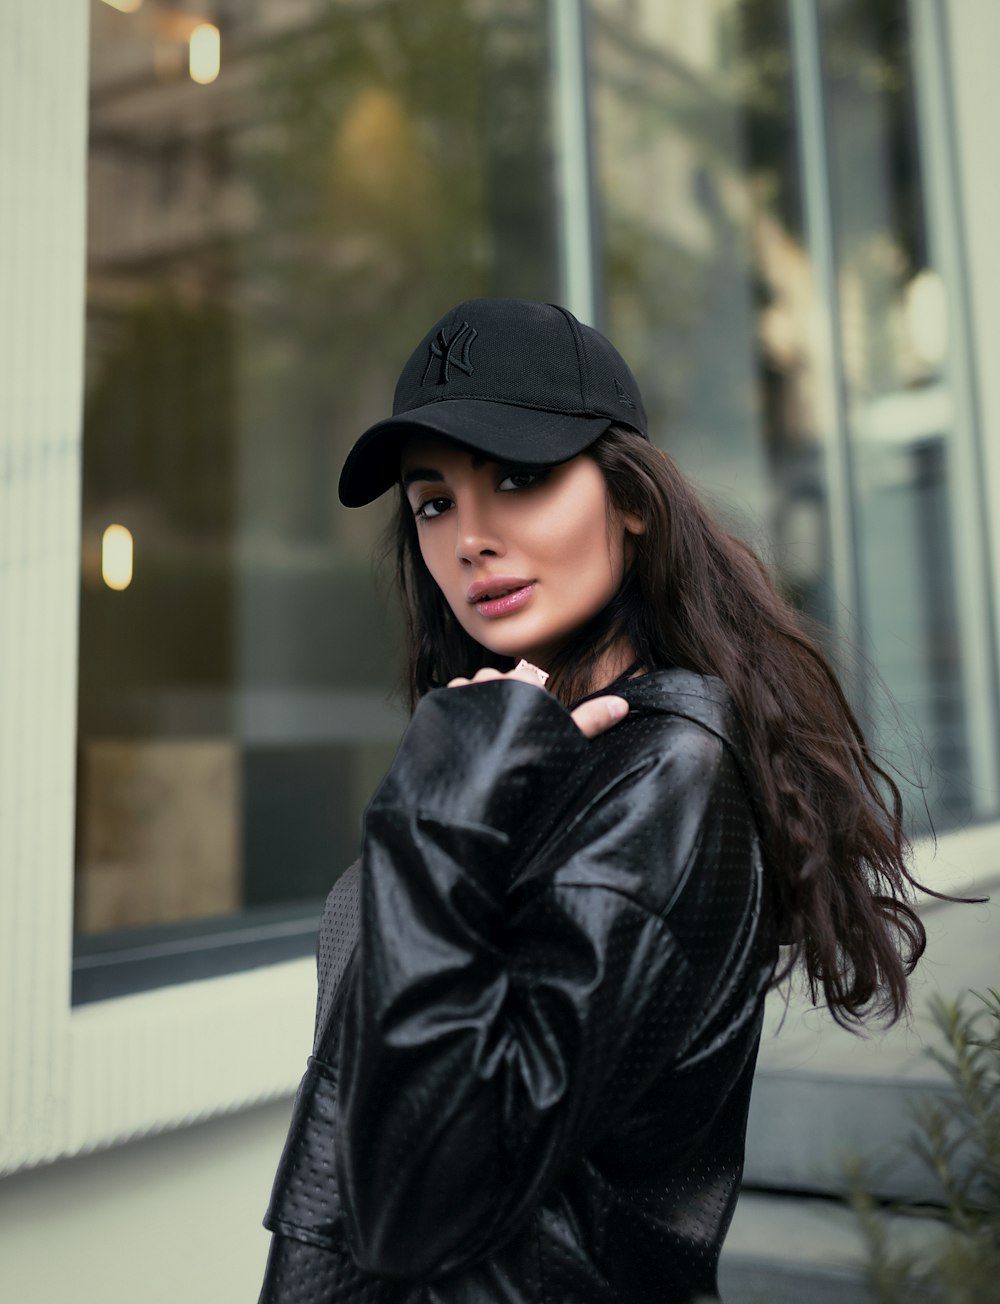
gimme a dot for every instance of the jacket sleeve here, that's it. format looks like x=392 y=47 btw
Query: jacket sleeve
x=480 y=1050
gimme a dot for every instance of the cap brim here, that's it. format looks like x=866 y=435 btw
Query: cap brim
x=501 y=431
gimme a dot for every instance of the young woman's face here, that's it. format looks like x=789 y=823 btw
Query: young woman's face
x=523 y=557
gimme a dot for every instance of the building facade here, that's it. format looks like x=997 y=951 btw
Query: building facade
x=223 y=226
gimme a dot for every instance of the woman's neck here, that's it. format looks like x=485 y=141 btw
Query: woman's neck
x=619 y=662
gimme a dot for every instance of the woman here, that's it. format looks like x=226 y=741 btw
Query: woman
x=628 y=775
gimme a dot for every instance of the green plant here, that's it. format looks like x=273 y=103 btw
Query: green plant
x=957 y=1136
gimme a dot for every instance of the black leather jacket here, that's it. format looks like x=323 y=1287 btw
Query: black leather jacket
x=531 y=1074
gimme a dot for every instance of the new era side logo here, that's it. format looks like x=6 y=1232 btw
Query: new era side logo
x=450 y=351
x=623 y=394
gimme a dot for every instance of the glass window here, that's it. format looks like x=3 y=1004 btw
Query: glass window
x=281 y=196
x=899 y=401
x=710 y=285
x=706 y=281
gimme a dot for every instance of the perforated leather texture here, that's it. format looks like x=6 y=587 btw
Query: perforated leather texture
x=540 y=998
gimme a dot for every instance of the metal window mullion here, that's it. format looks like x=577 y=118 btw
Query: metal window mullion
x=572 y=157
x=814 y=169
x=966 y=478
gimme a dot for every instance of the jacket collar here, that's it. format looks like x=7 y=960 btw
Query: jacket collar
x=705 y=700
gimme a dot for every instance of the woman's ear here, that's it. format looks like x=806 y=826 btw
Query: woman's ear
x=633 y=523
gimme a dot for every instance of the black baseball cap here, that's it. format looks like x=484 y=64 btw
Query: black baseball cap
x=519 y=381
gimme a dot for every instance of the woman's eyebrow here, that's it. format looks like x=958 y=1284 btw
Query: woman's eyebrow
x=420 y=473
x=428 y=472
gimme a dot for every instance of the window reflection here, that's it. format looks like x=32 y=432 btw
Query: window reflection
x=281 y=196
x=708 y=282
x=266 y=242
x=711 y=289
x=900 y=410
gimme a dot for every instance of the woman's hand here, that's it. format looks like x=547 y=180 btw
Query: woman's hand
x=591 y=718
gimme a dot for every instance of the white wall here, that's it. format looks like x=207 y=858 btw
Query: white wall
x=167 y=1219
x=73 y=1079
x=176 y=1216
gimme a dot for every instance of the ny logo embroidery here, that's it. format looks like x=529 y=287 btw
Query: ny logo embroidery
x=452 y=352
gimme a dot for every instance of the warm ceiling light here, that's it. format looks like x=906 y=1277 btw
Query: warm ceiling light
x=124 y=6
x=205 y=53
x=116 y=557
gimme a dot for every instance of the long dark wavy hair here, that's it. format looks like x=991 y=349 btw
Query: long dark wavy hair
x=698 y=597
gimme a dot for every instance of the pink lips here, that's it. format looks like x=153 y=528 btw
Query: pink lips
x=510 y=595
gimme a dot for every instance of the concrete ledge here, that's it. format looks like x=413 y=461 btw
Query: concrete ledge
x=786 y=1250
x=822 y=1093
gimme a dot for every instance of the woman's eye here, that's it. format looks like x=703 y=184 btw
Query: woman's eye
x=431 y=508
x=523 y=479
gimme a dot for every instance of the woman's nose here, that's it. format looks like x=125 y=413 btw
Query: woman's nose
x=476 y=536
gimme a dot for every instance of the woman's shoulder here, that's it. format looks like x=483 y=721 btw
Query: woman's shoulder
x=673 y=706
x=704 y=699
x=665 y=798
x=686 y=724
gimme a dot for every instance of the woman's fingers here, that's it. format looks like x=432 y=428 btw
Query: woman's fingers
x=487 y=672
x=527 y=674
x=541 y=675
x=591 y=718
x=600 y=713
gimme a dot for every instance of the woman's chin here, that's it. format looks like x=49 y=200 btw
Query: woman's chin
x=539 y=653
x=539 y=656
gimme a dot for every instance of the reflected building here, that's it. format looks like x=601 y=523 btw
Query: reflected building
x=268 y=232
x=262 y=250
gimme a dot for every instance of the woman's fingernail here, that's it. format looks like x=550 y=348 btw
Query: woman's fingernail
x=535 y=670
x=617 y=707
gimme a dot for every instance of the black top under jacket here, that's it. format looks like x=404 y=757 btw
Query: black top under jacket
x=540 y=1001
